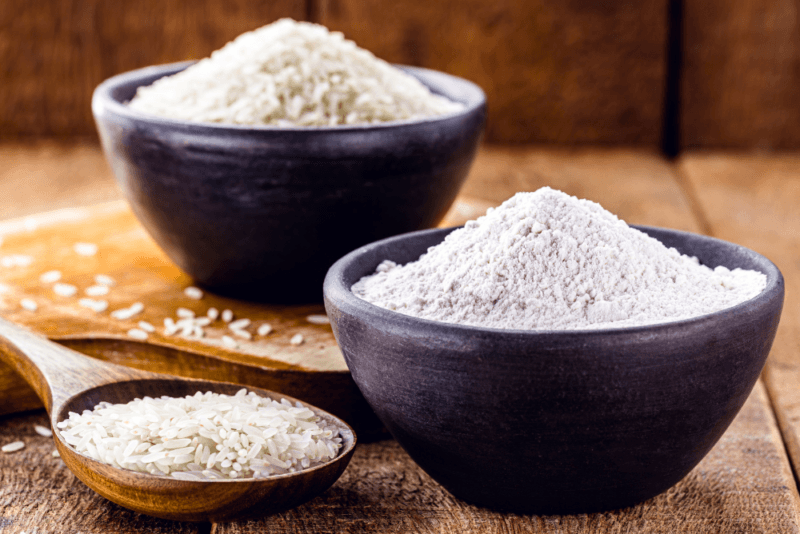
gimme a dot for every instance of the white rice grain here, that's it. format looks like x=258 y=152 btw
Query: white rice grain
x=318 y=319
x=193 y=292
x=64 y=290
x=291 y=74
x=50 y=277
x=212 y=314
x=97 y=306
x=43 y=431
x=126 y=313
x=29 y=304
x=147 y=327
x=185 y=313
x=239 y=324
x=104 y=280
x=297 y=339
x=227 y=316
x=13 y=446
x=244 y=334
x=229 y=342
x=85 y=249
x=174 y=438
x=16 y=260
x=138 y=334
x=264 y=329
x=97 y=290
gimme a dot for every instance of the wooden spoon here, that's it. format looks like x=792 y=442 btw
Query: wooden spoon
x=66 y=381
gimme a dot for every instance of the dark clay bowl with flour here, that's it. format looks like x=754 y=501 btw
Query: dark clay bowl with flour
x=262 y=212
x=554 y=422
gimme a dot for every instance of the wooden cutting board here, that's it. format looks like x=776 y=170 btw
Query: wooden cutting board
x=314 y=371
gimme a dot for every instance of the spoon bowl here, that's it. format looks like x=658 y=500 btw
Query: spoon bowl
x=67 y=381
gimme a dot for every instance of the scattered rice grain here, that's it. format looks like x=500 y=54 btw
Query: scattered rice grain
x=239 y=324
x=227 y=316
x=126 y=313
x=50 y=277
x=193 y=292
x=136 y=333
x=297 y=339
x=229 y=342
x=104 y=280
x=85 y=249
x=94 y=305
x=244 y=334
x=264 y=329
x=96 y=291
x=185 y=313
x=318 y=319
x=212 y=314
x=13 y=446
x=147 y=327
x=65 y=290
x=170 y=327
x=16 y=260
x=43 y=431
x=29 y=304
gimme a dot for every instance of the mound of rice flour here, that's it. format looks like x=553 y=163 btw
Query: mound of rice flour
x=547 y=260
x=291 y=74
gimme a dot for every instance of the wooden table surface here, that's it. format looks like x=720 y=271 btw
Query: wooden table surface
x=746 y=484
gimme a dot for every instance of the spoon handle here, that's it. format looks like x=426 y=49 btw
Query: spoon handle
x=56 y=373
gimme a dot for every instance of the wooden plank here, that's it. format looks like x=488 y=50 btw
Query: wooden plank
x=45 y=175
x=740 y=82
x=572 y=72
x=39 y=494
x=55 y=52
x=752 y=200
x=743 y=485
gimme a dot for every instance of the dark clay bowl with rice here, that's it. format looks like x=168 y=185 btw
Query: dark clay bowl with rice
x=262 y=212
x=554 y=422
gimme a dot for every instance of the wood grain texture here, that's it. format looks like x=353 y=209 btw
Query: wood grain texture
x=41 y=175
x=742 y=486
x=752 y=200
x=55 y=52
x=571 y=72
x=740 y=74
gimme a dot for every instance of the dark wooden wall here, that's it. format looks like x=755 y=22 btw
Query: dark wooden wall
x=564 y=72
x=572 y=72
x=740 y=83
x=53 y=53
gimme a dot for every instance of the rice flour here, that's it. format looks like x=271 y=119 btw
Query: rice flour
x=547 y=260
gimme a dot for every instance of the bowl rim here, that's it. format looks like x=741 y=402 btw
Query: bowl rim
x=104 y=102
x=340 y=296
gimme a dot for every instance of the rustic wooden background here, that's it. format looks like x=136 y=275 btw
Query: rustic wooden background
x=650 y=73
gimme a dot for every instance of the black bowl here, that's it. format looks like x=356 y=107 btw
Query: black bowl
x=554 y=422
x=263 y=212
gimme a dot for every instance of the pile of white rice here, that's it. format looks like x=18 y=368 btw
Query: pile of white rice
x=291 y=74
x=203 y=436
